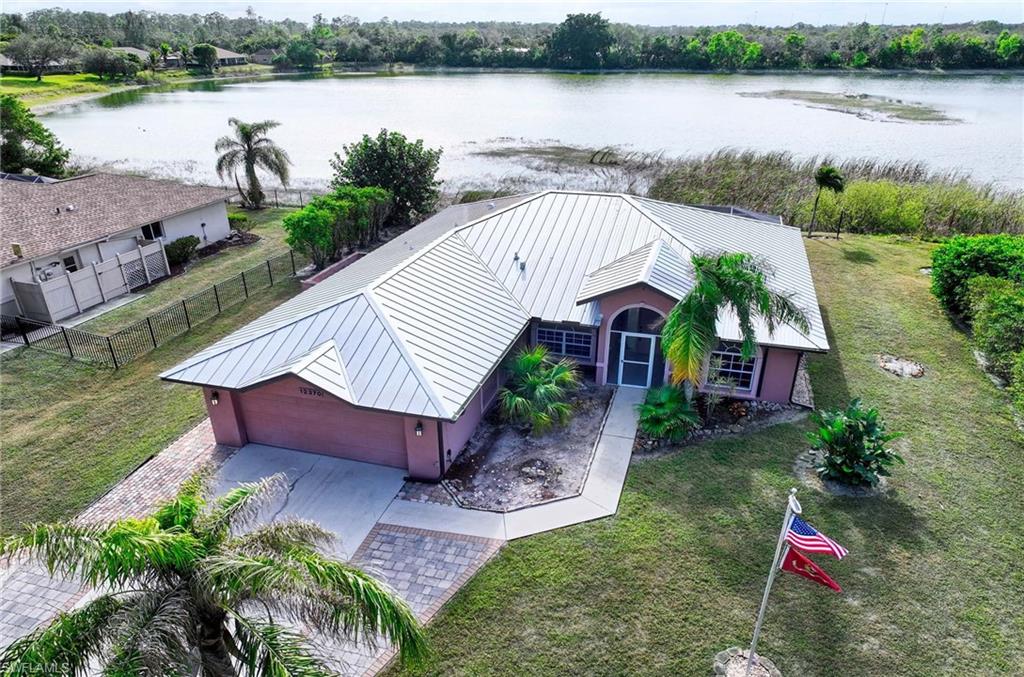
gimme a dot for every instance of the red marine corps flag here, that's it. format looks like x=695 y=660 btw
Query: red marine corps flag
x=795 y=562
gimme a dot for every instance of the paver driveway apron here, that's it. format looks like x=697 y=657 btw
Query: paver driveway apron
x=345 y=497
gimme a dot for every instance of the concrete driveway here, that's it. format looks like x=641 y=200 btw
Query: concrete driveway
x=346 y=497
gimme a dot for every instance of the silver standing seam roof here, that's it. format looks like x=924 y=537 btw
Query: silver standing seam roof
x=417 y=325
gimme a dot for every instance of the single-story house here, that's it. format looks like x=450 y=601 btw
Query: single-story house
x=265 y=56
x=396 y=358
x=141 y=54
x=73 y=244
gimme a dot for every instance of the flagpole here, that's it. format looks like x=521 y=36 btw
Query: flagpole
x=792 y=508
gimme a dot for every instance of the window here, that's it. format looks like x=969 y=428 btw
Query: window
x=70 y=263
x=152 y=231
x=732 y=370
x=566 y=341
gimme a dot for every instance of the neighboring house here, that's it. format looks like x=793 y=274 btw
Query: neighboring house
x=174 y=60
x=225 y=57
x=141 y=54
x=73 y=244
x=63 y=66
x=264 y=56
x=396 y=358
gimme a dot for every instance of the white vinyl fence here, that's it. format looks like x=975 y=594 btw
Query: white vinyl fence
x=72 y=293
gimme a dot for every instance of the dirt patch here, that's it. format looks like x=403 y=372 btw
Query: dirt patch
x=901 y=366
x=504 y=468
x=805 y=468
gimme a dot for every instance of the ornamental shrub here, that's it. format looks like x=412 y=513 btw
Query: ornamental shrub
x=997 y=311
x=854 y=445
x=239 y=222
x=537 y=389
x=1017 y=382
x=962 y=258
x=667 y=415
x=181 y=250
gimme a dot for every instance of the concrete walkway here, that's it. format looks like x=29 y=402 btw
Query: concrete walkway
x=600 y=496
x=425 y=551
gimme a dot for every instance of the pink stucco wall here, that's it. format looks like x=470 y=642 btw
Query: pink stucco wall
x=611 y=305
x=457 y=434
x=779 y=371
x=225 y=418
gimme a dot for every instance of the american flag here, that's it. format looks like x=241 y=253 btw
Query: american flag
x=805 y=537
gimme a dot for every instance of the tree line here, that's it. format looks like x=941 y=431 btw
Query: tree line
x=582 y=41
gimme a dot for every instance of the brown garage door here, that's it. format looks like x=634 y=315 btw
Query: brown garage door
x=290 y=413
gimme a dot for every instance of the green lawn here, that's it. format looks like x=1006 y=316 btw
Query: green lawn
x=934 y=581
x=71 y=430
x=201 y=274
x=53 y=87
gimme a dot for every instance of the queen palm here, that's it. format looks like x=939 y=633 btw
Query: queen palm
x=729 y=280
x=826 y=177
x=200 y=588
x=248 y=149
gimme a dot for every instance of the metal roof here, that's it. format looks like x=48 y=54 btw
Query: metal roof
x=657 y=264
x=418 y=324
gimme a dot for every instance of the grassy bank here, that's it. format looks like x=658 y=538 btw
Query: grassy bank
x=901 y=197
x=932 y=583
x=53 y=88
x=201 y=274
x=72 y=430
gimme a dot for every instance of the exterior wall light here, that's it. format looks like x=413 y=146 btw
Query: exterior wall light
x=215 y=398
x=419 y=428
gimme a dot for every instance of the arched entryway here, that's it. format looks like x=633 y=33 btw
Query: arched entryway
x=635 y=358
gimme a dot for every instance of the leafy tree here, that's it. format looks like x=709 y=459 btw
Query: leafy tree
x=536 y=389
x=37 y=54
x=310 y=230
x=249 y=149
x=727 y=49
x=26 y=144
x=826 y=177
x=405 y=169
x=303 y=53
x=1008 y=46
x=165 y=51
x=201 y=587
x=154 y=59
x=735 y=281
x=205 y=55
x=667 y=414
x=581 y=41
x=854 y=445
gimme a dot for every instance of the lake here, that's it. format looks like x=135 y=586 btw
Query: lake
x=482 y=120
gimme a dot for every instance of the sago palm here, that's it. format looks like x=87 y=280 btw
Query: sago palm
x=250 y=148
x=200 y=588
x=729 y=280
x=826 y=177
x=537 y=389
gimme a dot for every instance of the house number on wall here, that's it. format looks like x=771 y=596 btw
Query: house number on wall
x=311 y=391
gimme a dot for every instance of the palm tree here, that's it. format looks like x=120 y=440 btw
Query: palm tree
x=165 y=51
x=729 y=280
x=828 y=177
x=537 y=387
x=251 y=148
x=185 y=591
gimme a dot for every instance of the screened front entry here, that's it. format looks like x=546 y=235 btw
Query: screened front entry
x=634 y=349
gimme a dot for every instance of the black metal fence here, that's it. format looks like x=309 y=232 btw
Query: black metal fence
x=135 y=340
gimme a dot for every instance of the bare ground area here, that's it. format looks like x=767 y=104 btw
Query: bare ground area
x=504 y=467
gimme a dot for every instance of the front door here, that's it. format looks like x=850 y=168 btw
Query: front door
x=636 y=358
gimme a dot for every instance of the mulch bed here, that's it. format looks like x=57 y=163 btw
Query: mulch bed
x=504 y=467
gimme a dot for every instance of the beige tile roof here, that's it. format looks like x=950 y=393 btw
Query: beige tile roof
x=104 y=204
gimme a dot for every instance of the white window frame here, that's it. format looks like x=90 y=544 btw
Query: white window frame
x=564 y=334
x=153 y=236
x=754 y=362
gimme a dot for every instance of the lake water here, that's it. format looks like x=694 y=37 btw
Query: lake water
x=171 y=132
